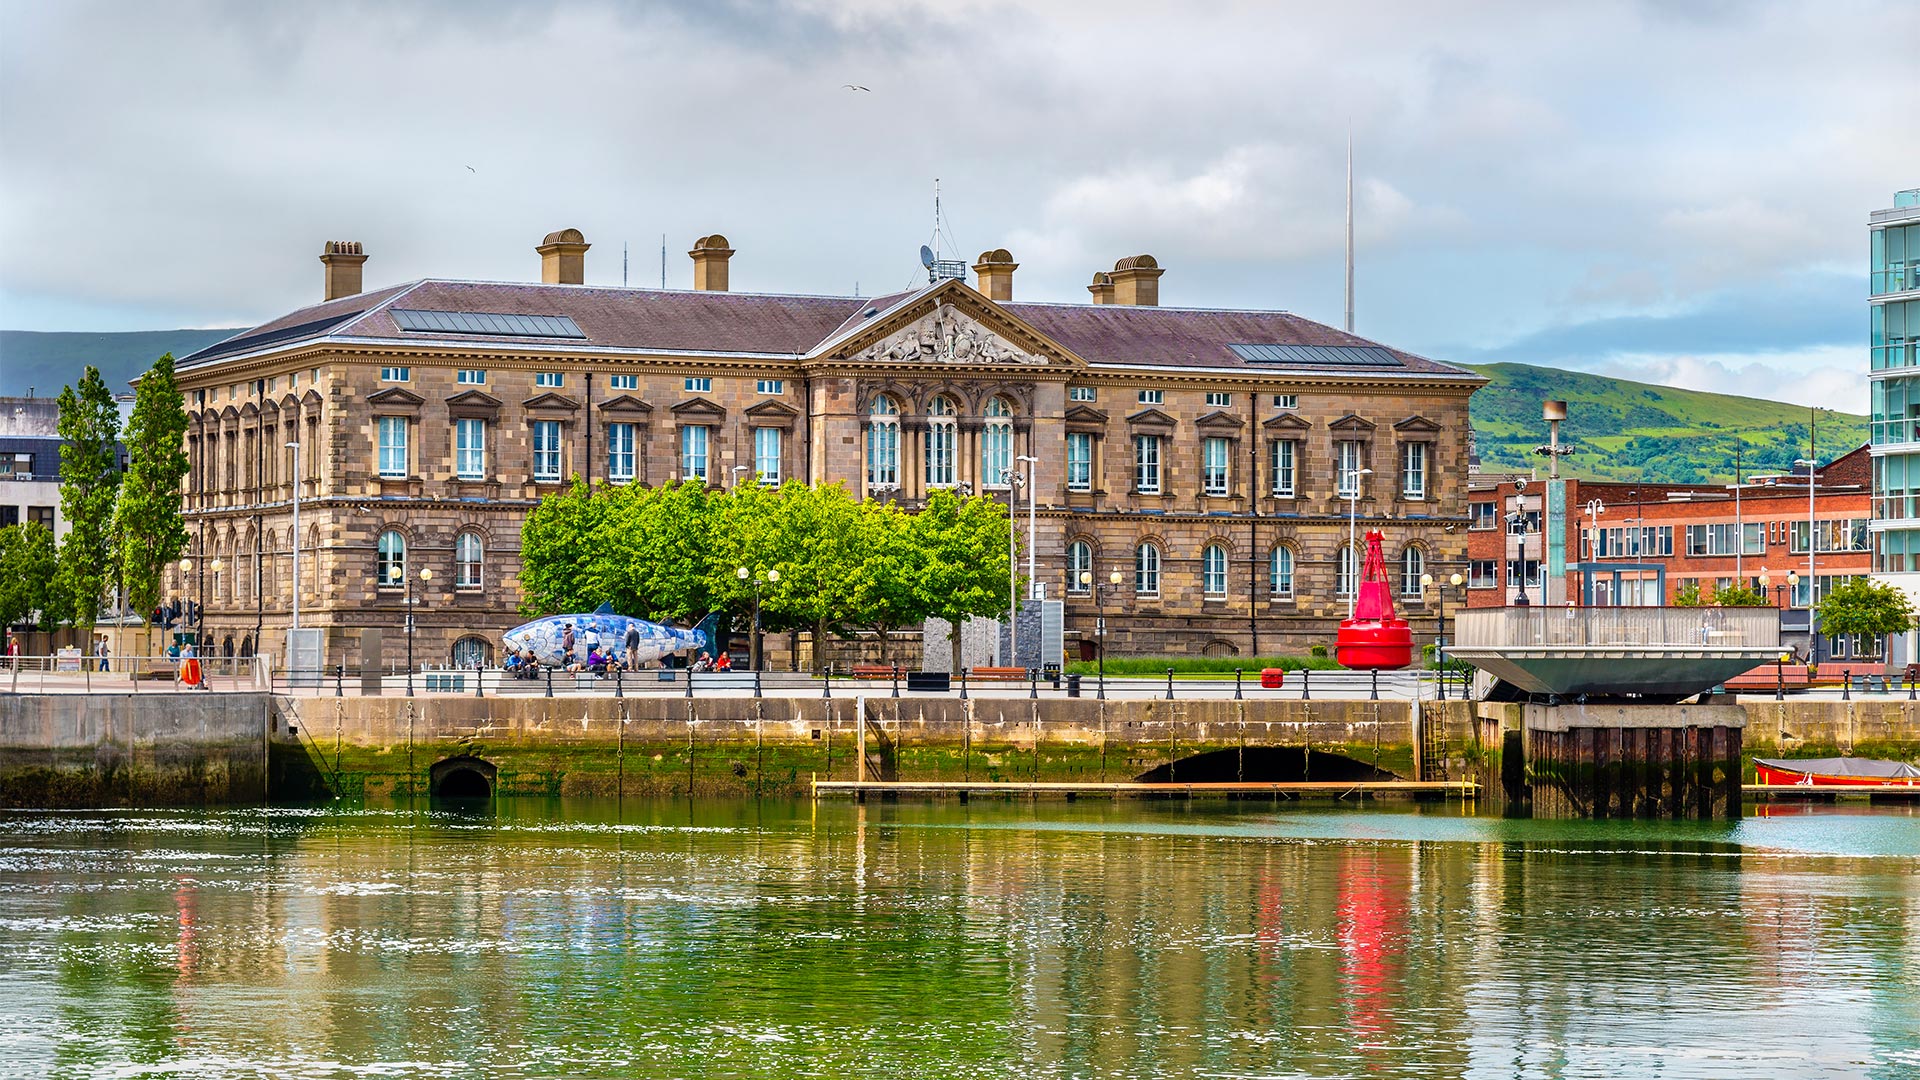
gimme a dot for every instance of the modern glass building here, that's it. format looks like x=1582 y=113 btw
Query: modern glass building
x=1894 y=363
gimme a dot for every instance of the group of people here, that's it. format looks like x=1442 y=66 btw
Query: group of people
x=703 y=662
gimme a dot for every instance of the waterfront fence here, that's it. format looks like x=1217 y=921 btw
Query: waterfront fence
x=1576 y=627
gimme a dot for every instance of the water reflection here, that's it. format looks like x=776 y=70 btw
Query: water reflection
x=991 y=939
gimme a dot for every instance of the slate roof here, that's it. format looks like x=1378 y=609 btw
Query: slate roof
x=735 y=324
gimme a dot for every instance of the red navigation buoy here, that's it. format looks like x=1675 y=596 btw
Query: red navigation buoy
x=1374 y=637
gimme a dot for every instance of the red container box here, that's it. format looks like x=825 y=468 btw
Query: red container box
x=1270 y=677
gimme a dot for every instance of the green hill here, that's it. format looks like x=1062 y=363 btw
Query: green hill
x=45 y=362
x=1637 y=431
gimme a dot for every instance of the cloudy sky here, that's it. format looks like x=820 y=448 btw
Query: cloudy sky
x=1670 y=191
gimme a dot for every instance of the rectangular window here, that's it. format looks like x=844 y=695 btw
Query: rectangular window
x=393 y=447
x=1631 y=543
x=470 y=449
x=699 y=386
x=1719 y=539
x=619 y=453
x=766 y=454
x=42 y=516
x=1214 y=466
x=1079 y=461
x=1413 y=470
x=693 y=453
x=1483 y=515
x=1146 y=464
x=551 y=379
x=1483 y=574
x=546 y=451
x=387 y=374
x=1283 y=461
x=1286 y=401
x=770 y=386
x=623 y=382
x=1080 y=393
x=470 y=377
x=1842 y=534
x=1349 y=457
x=1152 y=397
x=1532 y=573
x=1219 y=400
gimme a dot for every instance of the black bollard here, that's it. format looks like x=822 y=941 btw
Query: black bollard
x=1033 y=682
x=1236 y=685
x=1306 y=688
x=1169 y=684
x=619 y=683
x=756 y=682
x=1779 y=682
x=339 y=680
x=896 y=680
x=826 y=681
x=689 y=681
x=1846 y=685
x=549 y=672
x=1910 y=696
x=1374 y=695
x=963 y=682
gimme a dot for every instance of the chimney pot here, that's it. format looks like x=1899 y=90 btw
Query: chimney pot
x=342 y=259
x=1102 y=287
x=993 y=274
x=710 y=255
x=1136 y=281
x=563 y=257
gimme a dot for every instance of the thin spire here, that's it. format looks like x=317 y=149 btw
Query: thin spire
x=1349 y=228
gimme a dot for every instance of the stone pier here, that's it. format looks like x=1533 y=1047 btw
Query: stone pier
x=1632 y=761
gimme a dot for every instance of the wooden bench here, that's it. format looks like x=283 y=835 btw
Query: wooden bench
x=998 y=674
x=872 y=671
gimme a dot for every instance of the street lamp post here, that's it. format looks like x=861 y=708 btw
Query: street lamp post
x=1440 y=604
x=764 y=577
x=1353 y=554
x=1033 y=496
x=1517 y=519
x=737 y=470
x=395 y=575
x=1100 y=627
x=295 y=447
x=1015 y=480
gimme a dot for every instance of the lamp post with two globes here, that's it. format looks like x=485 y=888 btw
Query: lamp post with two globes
x=395 y=575
x=764 y=577
x=1100 y=627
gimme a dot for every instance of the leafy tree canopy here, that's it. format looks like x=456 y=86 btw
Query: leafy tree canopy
x=1865 y=606
x=151 y=531
x=89 y=486
x=26 y=574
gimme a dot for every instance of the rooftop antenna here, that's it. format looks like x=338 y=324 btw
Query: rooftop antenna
x=937 y=267
x=1349 y=227
x=663 y=260
x=623 y=264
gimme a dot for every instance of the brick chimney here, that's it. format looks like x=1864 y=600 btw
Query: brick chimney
x=342 y=258
x=993 y=274
x=563 y=258
x=710 y=255
x=1136 y=281
x=1102 y=287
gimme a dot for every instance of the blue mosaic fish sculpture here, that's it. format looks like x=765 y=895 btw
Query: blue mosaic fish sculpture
x=611 y=632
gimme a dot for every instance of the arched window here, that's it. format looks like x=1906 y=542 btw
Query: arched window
x=391 y=567
x=883 y=443
x=1079 y=561
x=1280 y=572
x=1213 y=571
x=468 y=552
x=1413 y=563
x=996 y=444
x=1347 y=574
x=940 y=442
x=1146 y=570
x=470 y=653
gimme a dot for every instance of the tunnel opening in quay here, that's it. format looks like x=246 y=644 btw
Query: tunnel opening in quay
x=1263 y=765
x=463 y=778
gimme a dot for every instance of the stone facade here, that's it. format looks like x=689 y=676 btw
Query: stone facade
x=943 y=373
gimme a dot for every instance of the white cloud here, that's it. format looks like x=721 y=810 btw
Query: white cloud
x=1831 y=377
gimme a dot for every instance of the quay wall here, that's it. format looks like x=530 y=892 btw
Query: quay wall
x=148 y=749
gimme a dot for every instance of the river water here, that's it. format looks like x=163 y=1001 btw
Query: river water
x=1090 y=939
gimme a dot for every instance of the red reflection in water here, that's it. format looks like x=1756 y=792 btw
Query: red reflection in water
x=1372 y=915
x=186 y=902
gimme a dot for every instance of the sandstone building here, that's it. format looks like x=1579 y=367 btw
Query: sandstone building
x=1208 y=456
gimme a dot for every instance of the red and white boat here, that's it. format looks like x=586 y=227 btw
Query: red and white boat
x=1837 y=772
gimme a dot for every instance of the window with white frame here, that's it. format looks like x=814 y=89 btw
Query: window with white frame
x=390 y=565
x=1080 y=393
x=996 y=443
x=766 y=455
x=470 y=448
x=1413 y=563
x=1219 y=399
x=1483 y=515
x=468 y=554
x=940 y=440
x=1146 y=570
x=387 y=374
x=693 y=452
x=1213 y=571
x=1152 y=397
x=623 y=382
x=1349 y=456
x=1286 y=401
x=1280 y=572
x=1346 y=575
x=1214 y=458
x=470 y=377
x=699 y=386
x=1146 y=464
x=546 y=451
x=883 y=443
x=1079 y=567
x=620 y=455
x=393 y=447
x=1079 y=461
x=552 y=380
x=770 y=386
x=1724 y=539
x=1283 y=457
x=1413 y=470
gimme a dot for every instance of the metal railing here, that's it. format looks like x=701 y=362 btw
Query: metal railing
x=130 y=674
x=1672 y=627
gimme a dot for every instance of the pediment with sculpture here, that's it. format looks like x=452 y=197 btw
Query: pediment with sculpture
x=950 y=330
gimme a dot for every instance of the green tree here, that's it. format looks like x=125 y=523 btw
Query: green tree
x=1688 y=595
x=959 y=560
x=660 y=543
x=1739 y=596
x=151 y=531
x=882 y=596
x=1865 y=607
x=27 y=564
x=89 y=487
x=560 y=570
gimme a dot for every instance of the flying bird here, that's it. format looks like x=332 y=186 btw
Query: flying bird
x=850 y=86
x=473 y=170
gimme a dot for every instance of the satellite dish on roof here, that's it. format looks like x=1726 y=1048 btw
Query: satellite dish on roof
x=926 y=256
